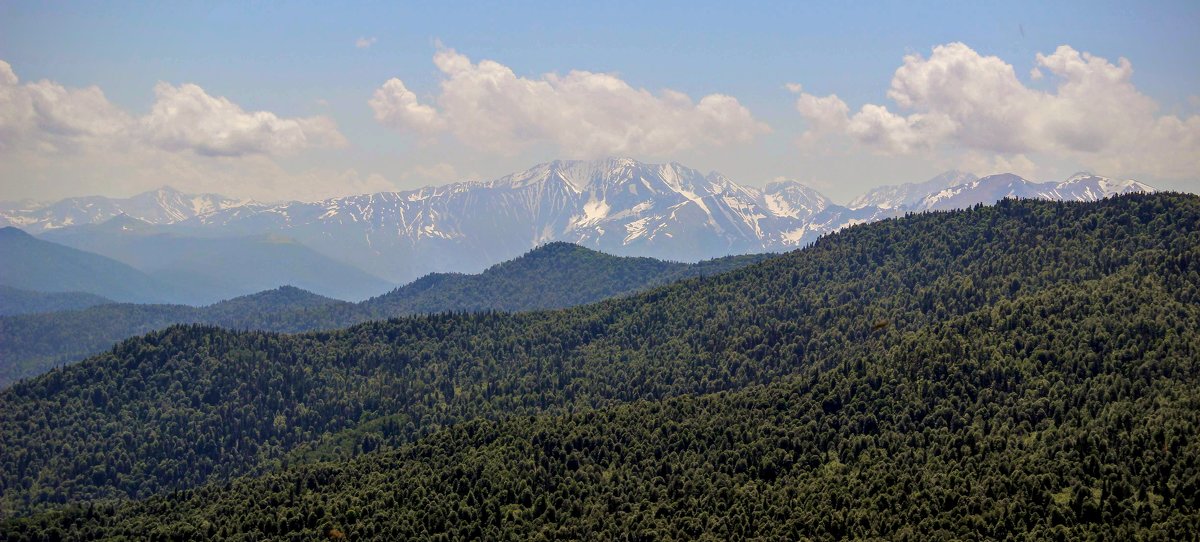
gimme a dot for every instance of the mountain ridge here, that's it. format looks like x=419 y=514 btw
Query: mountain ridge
x=555 y=275
x=827 y=315
x=162 y=205
x=668 y=466
x=33 y=264
x=618 y=205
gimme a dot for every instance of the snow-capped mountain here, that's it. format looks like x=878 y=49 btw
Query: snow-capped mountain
x=1085 y=186
x=910 y=194
x=619 y=206
x=985 y=190
x=163 y=206
x=1080 y=187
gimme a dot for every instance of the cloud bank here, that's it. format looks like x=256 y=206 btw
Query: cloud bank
x=58 y=141
x=958 y=99
x=584 y=114
x=45 y=116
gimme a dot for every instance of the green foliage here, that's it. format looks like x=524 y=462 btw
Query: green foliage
x=31 y=344
x=1026 y=368
x=552 y=276
x=1017 y=428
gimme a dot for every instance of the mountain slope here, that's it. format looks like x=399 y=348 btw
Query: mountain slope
x=1089 y=187
x=854 y=452
x=1080 y=187
x=555 y=275
x=212 y=404
x=618 y=206
x=32 y=264
x=205 y=270
x=14 y=301
x=32 y=344
x=162 y=206
x=909 y=195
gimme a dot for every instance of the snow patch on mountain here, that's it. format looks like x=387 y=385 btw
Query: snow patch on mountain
x=1085 y=186
x=987 y=190
x=162 y=206
x=911 y=194
x=620 y=206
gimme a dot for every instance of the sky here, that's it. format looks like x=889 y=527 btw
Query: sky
x=309 y=100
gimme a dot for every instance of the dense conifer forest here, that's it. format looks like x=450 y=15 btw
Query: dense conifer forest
x=1024 y=370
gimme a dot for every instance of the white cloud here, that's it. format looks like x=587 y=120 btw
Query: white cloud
x=364 y=42
x=398 y=107
x=825 y=113
x=959 y=99
x=57 y=141
x=48 y=117
x=487 y=106
x=187 y=118
x=54 y=118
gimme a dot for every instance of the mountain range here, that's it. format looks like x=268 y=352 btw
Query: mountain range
x=1079 y=187
x=618 y=206
x=128 y=260
x=555 y=275
x=200 y=270
x=32 y=264
x=1021 y=370
x=165 y=205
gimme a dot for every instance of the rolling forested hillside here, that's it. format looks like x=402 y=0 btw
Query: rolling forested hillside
x=1064 y=438
x=555 y=275
x=1027 y=369
x=31 y=344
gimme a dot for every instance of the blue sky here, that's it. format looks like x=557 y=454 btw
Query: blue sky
x=300 y=61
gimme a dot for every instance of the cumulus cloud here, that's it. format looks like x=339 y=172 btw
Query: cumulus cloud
x=960 y=99
x=46 y=116
x=397 y=106
x=187 y=118
x=364 y=42
x=487 y=106
x=53 y=117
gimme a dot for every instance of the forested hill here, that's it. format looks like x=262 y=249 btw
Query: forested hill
x=552 y=276
x=1047 y=342
x=555 y=275
x=30 y=344
x=1014 y=429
